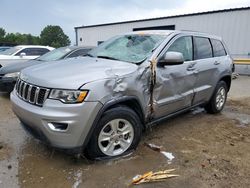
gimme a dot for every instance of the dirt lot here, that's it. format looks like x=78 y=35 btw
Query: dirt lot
x=209 y=151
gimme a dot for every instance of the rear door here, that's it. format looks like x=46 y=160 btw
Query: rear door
x=175 y=83
x=206 y=67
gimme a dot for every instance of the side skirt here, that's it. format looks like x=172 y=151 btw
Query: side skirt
x=164 y=118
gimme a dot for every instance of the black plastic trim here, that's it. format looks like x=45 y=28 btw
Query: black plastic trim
x=164 y=118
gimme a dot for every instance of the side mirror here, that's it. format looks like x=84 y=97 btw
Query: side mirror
x=171 y=58
x=22 y=54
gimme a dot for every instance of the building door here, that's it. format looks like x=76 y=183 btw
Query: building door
x=163 y=27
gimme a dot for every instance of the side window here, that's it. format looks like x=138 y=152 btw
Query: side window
x=74 y=54
x=22 y=51
x=41 y=51
x=83 y=52
x=80 y=52
x=184 y=46
x=218 y=48
x=202 y=48
x=33 y=51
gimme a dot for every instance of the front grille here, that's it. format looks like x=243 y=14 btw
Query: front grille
x=31 y=93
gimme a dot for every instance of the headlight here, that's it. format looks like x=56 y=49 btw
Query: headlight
x=12 y=75
x=68 y=96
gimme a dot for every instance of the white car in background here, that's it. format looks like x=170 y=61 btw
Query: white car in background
x=22 y=53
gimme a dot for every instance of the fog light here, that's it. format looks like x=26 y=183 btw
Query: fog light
x=59 y=127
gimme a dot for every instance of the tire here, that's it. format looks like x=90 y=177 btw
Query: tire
x=119 y=129
x=218 y=100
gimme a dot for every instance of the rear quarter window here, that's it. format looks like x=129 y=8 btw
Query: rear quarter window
x=80 y=52
x=218 y=48
x=202 y=48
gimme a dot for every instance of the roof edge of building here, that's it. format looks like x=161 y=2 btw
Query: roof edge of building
x=165 y=17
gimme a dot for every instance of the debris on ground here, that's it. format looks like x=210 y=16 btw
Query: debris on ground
x=235 y=75
x=77 y=178
x=197 y=110
x=168 y=155
x=154 y=147
x=153 y=177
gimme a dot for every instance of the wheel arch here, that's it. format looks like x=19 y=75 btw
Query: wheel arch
x=131 y=102
x=227 y=79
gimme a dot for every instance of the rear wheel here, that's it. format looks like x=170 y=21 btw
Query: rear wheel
x=218 y=100
x=117 y=133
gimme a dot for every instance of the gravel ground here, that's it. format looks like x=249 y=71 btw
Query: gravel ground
x=209 y=151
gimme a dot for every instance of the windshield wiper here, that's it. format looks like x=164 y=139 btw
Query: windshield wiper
x=106 y=57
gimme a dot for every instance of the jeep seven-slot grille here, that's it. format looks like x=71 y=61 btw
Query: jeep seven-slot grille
x=31 y=93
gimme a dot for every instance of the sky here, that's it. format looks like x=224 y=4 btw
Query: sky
x=31 y=16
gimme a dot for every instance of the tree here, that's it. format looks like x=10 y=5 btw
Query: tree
x=18 y=38
x=54 y=36
x=2 y=33
x=10 y=38
x=51 y=35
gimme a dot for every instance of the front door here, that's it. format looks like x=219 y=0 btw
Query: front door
x=174 y=88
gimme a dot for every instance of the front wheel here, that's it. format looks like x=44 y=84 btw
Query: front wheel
x=218 y=100
x=117 y=133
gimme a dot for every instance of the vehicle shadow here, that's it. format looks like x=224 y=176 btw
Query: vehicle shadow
x=5 y=95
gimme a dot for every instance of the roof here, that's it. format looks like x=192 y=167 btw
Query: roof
x=175 y=16
x=83 y=47
x=34 y=46
x=76 y=47
x=149 y=32
x=176 y=32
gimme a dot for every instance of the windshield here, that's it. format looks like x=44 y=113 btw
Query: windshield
x=54 y=54
x=11 y=51
x=133 y=48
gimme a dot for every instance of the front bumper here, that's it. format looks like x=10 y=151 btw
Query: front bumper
x=7 y=84
x=78 y=117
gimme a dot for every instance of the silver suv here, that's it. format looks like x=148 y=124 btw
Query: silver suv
x=100 y=104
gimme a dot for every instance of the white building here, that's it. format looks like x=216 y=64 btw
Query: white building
x=233 y=25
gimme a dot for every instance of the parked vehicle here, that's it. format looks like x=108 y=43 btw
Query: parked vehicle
x=3 y=48
x=22 y=53
x=101 y=103
x=9 y=74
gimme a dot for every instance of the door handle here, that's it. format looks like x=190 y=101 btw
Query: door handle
x=216 y=63
x=191 y=67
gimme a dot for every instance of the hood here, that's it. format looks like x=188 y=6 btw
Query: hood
x=17 y=67
x=74 y=72
x=7 y=62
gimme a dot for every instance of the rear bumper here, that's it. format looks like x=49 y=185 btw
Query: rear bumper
x=7 y=84
x=78 y=117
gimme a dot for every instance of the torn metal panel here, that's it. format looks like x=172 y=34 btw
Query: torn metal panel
x=173 y=89
x=129 y=80
x=151 y=86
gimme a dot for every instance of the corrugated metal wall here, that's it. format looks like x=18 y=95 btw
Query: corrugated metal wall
x=232 y=26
